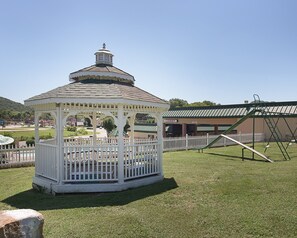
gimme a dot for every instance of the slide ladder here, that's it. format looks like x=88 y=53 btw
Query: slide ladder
x=293 y=137
x=275 y=133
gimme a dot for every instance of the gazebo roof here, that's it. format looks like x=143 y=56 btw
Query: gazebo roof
x=92 y=90
x=101 y=71
x=99 y=83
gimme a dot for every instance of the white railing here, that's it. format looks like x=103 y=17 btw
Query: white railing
x=88 y=141
x=193 y=142
x=46 y=166
x=90 y=163
x=141 y=160
x=10 y=155
x=100 y=163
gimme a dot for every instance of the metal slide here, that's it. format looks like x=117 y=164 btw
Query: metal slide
x=251 y=113
x=247 y=147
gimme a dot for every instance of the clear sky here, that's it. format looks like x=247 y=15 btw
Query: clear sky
x=222 y=51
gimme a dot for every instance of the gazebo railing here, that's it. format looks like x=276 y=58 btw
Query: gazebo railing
x=90 y=163
x=141 y=160
x=46 y=166
x=99 y=163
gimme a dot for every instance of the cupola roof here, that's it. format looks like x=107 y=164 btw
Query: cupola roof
x=103 y=70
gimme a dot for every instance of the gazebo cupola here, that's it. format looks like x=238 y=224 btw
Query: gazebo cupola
x=96 y=164
x=103 y=56
x=103 y=70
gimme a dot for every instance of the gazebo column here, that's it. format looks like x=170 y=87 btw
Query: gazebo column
x=120 y=125
x=60 y=143
x=94 y=123
x=36 y=129
x=132 y=127
x=160 y=141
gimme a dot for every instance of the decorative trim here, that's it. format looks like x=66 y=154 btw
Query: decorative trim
x=129 y=105
x=104 y=74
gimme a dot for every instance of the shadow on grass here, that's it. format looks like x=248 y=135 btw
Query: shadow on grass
x=39 y=201
x=236 y=157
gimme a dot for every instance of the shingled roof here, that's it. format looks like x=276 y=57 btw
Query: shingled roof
x=97 y=90
x=101 y=72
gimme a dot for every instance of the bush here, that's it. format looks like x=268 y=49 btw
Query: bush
x=71 y=128
x=82 y=131
x=46 y=137
x=8 y=134
x=30 y=141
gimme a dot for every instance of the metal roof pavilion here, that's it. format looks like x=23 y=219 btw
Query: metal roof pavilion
x=232 y=111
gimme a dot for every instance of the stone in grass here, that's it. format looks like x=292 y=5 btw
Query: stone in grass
x=21 y=223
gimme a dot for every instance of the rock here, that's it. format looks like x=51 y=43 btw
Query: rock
x=21 y=223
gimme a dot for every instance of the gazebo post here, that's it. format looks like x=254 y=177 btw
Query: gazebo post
x=60 y=142
x=94 y=122
x=120 y=126
x=132 y=127
x=160 y=141
x=36 y=129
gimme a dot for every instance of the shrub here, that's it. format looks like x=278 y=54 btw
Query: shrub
x=30 y=141
x=46 y=137
x=71 y=128
x=82 y=131
x=9 y=134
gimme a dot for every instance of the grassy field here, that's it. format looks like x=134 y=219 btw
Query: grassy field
x=211 y=194
x=29 y=132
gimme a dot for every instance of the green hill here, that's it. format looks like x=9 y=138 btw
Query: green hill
x=9 y=105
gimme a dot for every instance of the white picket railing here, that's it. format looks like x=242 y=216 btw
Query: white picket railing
x=141 y=160
x=47 y=165
x=90 y=163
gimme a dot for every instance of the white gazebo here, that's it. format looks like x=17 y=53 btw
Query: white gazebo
x=97 y=164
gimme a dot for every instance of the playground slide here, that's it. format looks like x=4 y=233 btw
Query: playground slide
x=247 y=147
x=252 y=112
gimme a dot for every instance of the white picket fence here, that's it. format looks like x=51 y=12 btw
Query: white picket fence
x=196 y=142
x=11 y=156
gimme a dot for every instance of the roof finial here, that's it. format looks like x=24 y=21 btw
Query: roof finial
x=104 y=46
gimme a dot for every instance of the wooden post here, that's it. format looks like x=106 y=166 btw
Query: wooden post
x=60 y=142
x=120 y=126
x=36 y=129
x=160 y=142
x=94 y=122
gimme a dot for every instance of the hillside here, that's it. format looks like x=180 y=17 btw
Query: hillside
x=7 y=104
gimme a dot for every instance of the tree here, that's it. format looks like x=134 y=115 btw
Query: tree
x=202 y=104
x=87 y=122
x=108 y=125
x=176 y=102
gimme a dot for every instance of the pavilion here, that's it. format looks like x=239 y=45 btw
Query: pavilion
x=95 y=164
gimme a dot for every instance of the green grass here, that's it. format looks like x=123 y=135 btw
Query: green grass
x=210 y=194
x=15 y=133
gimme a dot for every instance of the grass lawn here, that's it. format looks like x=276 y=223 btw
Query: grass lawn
x=210 y=194
x=18 y=133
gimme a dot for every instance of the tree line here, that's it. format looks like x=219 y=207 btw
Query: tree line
x=177 y=102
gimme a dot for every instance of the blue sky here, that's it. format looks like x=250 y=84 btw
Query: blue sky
x=222 y=51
